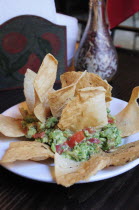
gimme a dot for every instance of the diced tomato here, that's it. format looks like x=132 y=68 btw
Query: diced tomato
x=94 y=140
x=111 y=120
x=20 y=120
x=60 y=148
x=25 y=130
x=77 y=137
x=90 y=130
x=39 y=135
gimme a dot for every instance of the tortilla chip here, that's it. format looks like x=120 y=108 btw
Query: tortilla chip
x=10 y=127
x=68 y=172
x=29 y=89
x=89 y=80
x=46 y=77
x=60 y=98
x=24 y=106
x=27 y=150
x=69 y=78
x=87 y=109
x=124 y=154
x=128 y=119
x=42 y=111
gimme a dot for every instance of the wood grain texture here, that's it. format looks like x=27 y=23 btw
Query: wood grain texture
x=116 y=193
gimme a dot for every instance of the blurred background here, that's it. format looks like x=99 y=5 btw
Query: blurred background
x=58 y=30
x=125 y=35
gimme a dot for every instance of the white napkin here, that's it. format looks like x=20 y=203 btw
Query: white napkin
x=71 y=24
x=13 y=8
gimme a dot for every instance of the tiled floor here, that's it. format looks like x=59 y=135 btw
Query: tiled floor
x=126 y=39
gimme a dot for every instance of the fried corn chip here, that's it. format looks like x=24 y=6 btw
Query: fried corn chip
x=68 y=172
x=124 y=154
x=29 y=89
x=59 y=99
x=27 y=150
x=87 y=109
x=24 y=106
x=69 y=78
x=128 y=119
x=10 y=127
x=42 y=111
x=89 y=80
x=46 y=77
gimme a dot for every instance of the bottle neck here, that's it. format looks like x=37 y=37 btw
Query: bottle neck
x=97 y=14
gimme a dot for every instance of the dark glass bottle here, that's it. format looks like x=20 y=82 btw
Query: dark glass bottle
x=96 y=52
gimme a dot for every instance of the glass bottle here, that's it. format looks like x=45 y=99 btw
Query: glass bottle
x=96 y=52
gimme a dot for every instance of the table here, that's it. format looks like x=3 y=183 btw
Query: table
x=121 y=192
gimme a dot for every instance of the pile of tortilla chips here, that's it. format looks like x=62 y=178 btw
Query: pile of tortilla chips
x=81 y=102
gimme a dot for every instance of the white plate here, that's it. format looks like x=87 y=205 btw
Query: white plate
x=44 y=171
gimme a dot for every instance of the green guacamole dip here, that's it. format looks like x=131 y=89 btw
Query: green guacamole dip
x=77 y=146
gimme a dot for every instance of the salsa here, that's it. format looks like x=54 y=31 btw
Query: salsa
x=77 y=146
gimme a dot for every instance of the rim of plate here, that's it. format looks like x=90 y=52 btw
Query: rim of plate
x=101 y=175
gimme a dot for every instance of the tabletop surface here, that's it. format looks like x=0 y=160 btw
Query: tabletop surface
x=119 y=192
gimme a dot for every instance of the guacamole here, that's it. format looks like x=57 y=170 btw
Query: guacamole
x=77 y=146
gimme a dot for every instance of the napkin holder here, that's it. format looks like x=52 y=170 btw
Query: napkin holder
x=24 y=41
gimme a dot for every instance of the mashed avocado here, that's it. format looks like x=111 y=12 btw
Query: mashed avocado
x=82 y=151
x=45 y=132
x=104 y=139
x=79 y=146
x=111 y=136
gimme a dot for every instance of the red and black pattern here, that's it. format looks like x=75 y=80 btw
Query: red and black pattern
x=24 y=41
